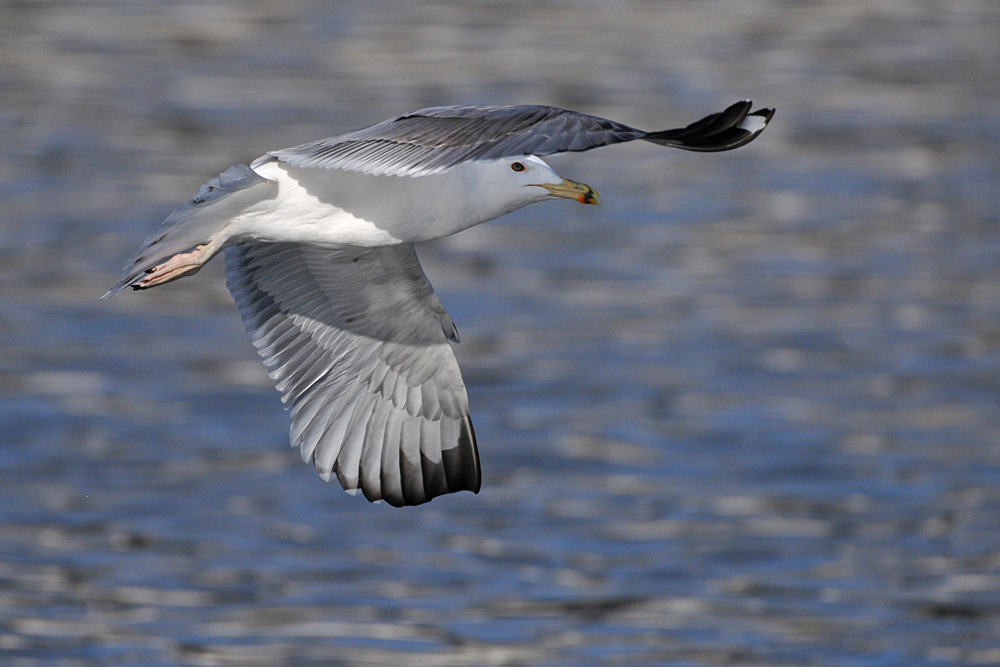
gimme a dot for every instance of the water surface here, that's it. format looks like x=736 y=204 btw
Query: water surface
x=745 y=413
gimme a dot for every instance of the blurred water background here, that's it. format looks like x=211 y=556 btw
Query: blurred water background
x=745 y=413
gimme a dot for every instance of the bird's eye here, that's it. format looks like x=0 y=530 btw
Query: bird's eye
x=517 y=166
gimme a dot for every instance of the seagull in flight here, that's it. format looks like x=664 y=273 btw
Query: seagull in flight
x=318 y=241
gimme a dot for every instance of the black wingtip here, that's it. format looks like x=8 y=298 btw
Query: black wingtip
x=474 y=472
x=461 y=463
x=723 y=131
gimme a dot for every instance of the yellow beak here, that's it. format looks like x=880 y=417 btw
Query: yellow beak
x=580 y=192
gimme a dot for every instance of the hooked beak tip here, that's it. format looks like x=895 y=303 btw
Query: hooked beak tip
x=590 y=196
x=568 y=189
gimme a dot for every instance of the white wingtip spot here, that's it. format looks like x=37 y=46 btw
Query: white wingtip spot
x=325 y=476
x=753 y=124
x=352 y=492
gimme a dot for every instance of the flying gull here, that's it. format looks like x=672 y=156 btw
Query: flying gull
x=318 y=241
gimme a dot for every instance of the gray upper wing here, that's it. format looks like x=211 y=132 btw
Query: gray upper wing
x=436 y=139
x=357 y=343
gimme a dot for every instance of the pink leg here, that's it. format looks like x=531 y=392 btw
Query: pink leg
x=178 y=266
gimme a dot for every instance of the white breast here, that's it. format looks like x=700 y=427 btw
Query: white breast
x=303 y=213
x=337 y=208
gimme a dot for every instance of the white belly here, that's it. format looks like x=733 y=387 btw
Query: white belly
x=340 y=208
x=306 y=215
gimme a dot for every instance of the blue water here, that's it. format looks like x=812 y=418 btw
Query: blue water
x=744 y=413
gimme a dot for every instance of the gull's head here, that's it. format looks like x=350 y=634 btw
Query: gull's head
x=544 y=183
x=516 y=182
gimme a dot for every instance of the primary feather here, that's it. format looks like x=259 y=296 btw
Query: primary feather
x=436 y=139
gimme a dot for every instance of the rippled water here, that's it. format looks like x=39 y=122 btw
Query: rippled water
x=745 y=413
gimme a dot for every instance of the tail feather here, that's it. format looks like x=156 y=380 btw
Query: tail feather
x=199 y=222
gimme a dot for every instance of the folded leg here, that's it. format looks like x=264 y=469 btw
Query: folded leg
x=180 y=265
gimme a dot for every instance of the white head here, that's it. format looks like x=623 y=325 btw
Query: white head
x=502 y=186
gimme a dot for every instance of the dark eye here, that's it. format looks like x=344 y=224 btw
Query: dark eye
x=517 y=166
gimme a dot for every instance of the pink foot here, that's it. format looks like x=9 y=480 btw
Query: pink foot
x=178 y=266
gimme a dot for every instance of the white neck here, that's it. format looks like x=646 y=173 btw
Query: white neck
x=340 y=207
